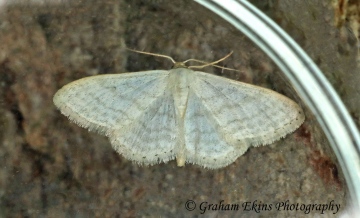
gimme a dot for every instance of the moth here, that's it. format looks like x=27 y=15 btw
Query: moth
x=191 y=116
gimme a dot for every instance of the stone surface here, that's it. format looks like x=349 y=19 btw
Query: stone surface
x=51 y=167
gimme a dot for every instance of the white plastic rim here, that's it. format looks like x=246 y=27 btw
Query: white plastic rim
x=307 y=80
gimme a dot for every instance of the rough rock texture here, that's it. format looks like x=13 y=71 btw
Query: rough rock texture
x=53 y=168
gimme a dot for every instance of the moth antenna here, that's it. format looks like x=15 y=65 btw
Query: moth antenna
x=214 y=65
x=205 y=64
x=153 y=54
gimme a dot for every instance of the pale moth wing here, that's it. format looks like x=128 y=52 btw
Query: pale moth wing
x=224 y=117
x=195 y=117
x=245 y=112
x=152 y=138
x=132 y=109
x=205 y=144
